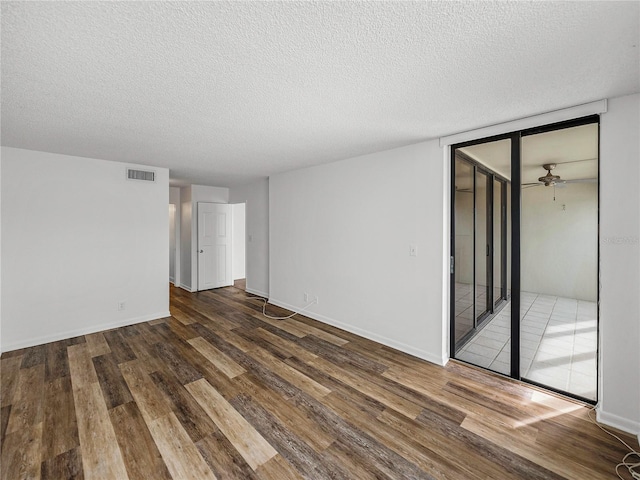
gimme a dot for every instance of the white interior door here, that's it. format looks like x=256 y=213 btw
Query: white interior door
x=214 y=245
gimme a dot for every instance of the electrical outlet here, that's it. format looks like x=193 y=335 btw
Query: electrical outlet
x=316 y=300
x=306 y=297
x=121 y=306
x=413 y=250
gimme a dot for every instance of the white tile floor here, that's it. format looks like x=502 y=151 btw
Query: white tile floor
x=464 y=305
x=558 y=343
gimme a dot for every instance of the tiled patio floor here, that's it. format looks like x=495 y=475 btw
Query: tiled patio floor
x=558 y=343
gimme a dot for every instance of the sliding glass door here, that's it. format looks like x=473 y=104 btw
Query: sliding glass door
x=524 y=266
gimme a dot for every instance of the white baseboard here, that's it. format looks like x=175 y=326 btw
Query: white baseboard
x=256 y=292
x=389 y=342
x=620 y=423
x=32 y=342
x=184 y=287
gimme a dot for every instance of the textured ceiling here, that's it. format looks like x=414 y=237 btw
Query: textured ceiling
x=225 y=92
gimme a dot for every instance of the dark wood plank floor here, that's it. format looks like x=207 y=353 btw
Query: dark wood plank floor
x=219 y=391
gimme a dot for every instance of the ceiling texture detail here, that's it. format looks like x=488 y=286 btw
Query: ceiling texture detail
x=224 y=93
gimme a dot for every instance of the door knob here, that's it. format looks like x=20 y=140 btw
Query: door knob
x=201 y=251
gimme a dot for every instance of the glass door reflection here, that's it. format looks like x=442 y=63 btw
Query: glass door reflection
x=481 y=320
x=482 y=273
x=464 y=305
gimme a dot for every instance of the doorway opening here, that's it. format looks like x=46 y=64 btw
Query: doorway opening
x=524 y=273
x=239 y=245
x=173 y=244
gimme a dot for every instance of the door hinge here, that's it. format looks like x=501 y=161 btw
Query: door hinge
x=451 y=264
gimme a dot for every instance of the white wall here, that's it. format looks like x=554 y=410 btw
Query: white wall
x=174 y=199
x=0 y=254
x=342 y=231
x=204 y=193
x=619 y=262
x=559 y=241
x=239 y=240
x=77 y=239
x=174 y=195
x=255 y=196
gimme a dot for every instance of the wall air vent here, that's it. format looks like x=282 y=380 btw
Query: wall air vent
x=148 y=176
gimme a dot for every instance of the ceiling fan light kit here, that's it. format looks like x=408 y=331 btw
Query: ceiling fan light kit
x=549 y=179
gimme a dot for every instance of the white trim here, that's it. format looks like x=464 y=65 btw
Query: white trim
x=185 y=287
x=416 y=352
x=32 y=342
x=555 y=116
x=256 y=292
x=620 y=423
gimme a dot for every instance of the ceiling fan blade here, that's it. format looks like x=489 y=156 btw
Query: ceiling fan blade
x=577 y=161
x=582 y=180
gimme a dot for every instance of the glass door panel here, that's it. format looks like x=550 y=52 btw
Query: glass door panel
x=463 y=251
x=559 y=252
x=481 y=324
x=507 y=243
x=499 y=211
x=482 y=297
